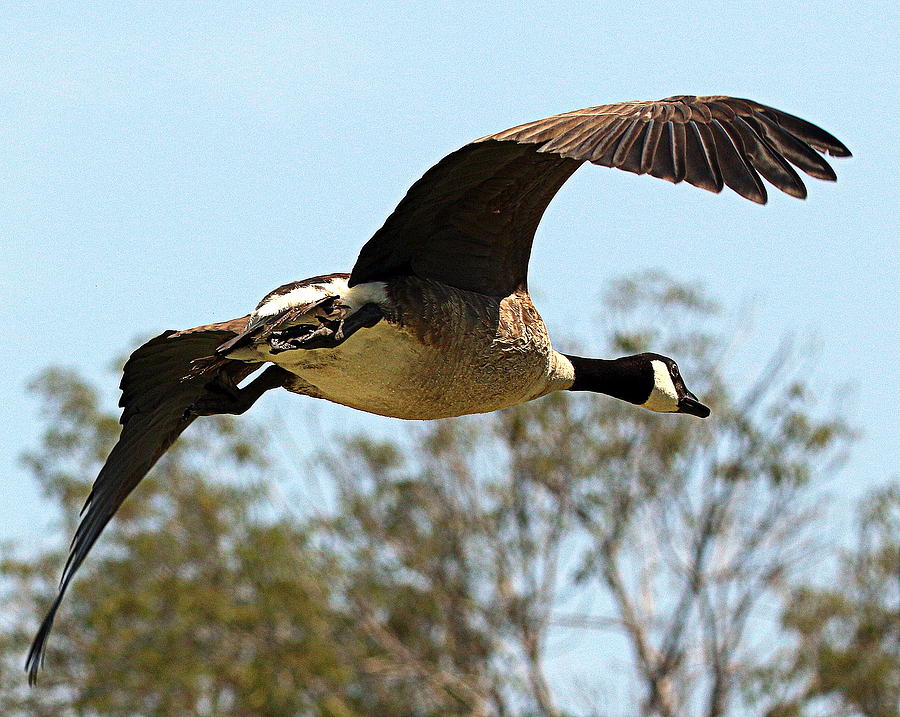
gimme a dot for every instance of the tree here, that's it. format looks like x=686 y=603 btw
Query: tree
x=846 y=659
x=200 y=601
x=686 y=529
x=451 y=555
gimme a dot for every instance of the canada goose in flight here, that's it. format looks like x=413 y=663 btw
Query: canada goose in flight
x=435 y=320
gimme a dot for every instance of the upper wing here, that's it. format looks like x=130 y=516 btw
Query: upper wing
x=155 y=400
x=470 y=220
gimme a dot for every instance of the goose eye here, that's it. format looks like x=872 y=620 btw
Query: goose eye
x=674 y=370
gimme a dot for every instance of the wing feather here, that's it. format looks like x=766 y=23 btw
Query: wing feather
x=155 y=401
x=624 y=145
x=470 y=220
x=651 y=142
x=792 y=148
x=701 y=168
x=736 y=172
x=769 y=162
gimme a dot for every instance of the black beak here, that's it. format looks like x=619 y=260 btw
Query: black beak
x=690 y=405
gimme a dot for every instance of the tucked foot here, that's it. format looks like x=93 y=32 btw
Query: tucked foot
x=222 y=396
x=332 y=332
x=303 y=336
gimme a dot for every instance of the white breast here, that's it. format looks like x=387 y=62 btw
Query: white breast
x=389 y=371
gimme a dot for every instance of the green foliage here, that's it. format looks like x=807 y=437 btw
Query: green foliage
x=848 y=635
x=195 y=603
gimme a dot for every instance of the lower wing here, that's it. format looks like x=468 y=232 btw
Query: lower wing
x=158 y=391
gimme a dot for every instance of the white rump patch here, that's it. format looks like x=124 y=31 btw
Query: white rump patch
x=372 y=292
x=353 y=298
x=664 y=396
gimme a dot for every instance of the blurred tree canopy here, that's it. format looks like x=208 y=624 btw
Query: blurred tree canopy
x=848 y=633
x=440 y=564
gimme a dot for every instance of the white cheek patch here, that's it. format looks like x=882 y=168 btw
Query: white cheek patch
x=664 y=397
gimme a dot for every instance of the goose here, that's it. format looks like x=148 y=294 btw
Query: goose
x=435 y=319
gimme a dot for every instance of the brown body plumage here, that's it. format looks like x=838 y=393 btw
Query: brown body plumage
x=438 y=352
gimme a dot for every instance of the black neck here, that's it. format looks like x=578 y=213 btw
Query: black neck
x=623 y=378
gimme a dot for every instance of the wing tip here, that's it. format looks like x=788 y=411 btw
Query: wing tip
x=760 y=199
x=839 y=150
x=798 y=192
x=34 y=662
x=825 y=173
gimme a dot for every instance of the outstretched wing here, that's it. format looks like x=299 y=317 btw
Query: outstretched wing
x=155 y=399
x=470 y=220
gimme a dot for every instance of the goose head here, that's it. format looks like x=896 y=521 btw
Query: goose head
x=649 y=380
x=668 y=394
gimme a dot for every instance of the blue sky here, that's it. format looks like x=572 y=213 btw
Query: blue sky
x=165 y=164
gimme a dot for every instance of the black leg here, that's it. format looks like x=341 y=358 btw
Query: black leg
x=223 y=396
